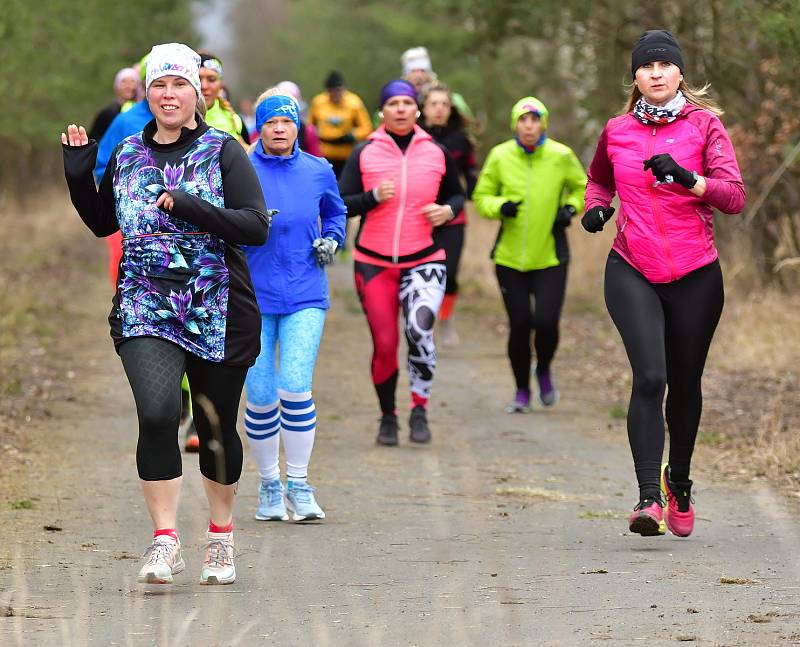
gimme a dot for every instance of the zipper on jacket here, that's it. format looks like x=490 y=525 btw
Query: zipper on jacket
x=399 y=220
x=523 y=260
x=657 y=214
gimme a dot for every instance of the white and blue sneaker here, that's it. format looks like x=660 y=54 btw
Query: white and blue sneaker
x=300 y=497
x=271 y=506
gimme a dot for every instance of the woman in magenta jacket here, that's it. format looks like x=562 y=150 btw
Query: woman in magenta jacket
x=671 y=162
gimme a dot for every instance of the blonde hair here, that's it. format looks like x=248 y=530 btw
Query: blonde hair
x=696 y=96
x=269 y=92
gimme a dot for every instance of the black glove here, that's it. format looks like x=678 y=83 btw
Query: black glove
x=509 y=209
x=594 y=219
x=663 y=165
x=564 y=216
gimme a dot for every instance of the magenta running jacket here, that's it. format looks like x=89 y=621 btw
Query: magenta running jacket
x=665 y=231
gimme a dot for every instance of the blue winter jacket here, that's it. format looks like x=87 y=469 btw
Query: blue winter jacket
x=285 y=272
x=124 y=125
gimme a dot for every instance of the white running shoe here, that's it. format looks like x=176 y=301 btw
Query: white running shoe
x=218 y=564
x=162 y=560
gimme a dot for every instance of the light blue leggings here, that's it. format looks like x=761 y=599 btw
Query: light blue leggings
x=279 y=401
x=298 y=336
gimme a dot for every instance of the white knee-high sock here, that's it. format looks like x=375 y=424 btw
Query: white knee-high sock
x=298 y=428
x=262 y=424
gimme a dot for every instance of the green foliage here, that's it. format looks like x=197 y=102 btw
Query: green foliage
x=60 y=58
x=618 y=412
x=574 y=55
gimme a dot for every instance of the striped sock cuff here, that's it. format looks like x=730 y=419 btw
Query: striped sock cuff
x=298 y=412
x=262 y=421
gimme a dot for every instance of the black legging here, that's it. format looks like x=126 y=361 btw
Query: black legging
x=154 y=368
x=451 y=239
x=667 y=329
x=547 y=287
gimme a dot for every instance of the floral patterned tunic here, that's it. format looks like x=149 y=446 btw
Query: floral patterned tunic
x=183 y=277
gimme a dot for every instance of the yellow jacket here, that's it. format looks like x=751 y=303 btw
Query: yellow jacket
x=346 y=120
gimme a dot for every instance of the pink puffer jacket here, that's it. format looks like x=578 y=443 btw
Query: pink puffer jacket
x=397 y=227
x=665 y=231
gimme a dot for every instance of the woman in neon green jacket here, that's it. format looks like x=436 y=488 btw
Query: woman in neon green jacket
x=534 y=185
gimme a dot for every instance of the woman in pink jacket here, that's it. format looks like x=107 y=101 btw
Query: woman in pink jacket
x=402 y=184
x=671 y=162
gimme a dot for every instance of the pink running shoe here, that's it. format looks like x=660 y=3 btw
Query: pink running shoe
x=679 y=512
x=647 y=519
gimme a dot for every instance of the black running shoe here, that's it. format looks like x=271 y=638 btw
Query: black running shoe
x=418 y=425
x=387 y=432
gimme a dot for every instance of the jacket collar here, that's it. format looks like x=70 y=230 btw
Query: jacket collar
x=260 y=154
x=186 y=137
x=380 y=134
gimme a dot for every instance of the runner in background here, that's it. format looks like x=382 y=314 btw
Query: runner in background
x=307 y=136
x=185 y=197
x=125 y=83
x=671 y=161
x=341 y=120
x=534 y=185
x=219 y=112
x=124 y=124
x=418 y=70
x=248 y=113
x=403 y=184
x=292 y=291
x=446 y=125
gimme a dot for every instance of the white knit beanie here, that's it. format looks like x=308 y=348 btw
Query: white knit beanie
x=416 y=58
x=173 y=59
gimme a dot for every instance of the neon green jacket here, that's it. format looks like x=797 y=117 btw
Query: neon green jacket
x=225 y=120
x=543 y=181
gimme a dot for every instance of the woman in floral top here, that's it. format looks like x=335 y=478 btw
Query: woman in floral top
x=184 y=197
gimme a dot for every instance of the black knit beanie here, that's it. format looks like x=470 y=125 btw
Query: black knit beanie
x=334 y=80
x=656 y=45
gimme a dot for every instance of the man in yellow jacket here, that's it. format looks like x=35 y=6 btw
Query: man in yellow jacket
x=340 y=119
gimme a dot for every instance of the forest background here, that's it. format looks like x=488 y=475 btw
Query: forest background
x=59 y=59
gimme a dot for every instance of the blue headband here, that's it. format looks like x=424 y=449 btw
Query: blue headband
x=278 y=105
x=397 y=88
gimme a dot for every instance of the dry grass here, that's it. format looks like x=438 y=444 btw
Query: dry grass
x=535 y=493
x=47 y=258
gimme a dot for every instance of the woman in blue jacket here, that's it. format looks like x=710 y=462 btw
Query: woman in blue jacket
x=292 y=291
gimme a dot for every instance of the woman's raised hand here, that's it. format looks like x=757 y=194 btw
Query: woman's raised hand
x=75 y=136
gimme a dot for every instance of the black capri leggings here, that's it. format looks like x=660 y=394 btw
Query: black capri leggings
x=155 y=368
x=547 y=287
x=451 y=239
x=667 y=330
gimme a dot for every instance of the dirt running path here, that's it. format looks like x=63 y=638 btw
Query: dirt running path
x=506 y=530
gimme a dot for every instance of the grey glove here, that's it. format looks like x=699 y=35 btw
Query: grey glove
x=325 y=250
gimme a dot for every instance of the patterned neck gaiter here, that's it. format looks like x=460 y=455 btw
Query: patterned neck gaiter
x=649 y=114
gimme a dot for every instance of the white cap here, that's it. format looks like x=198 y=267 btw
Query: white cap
x=173 y=59
x=416 y=58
